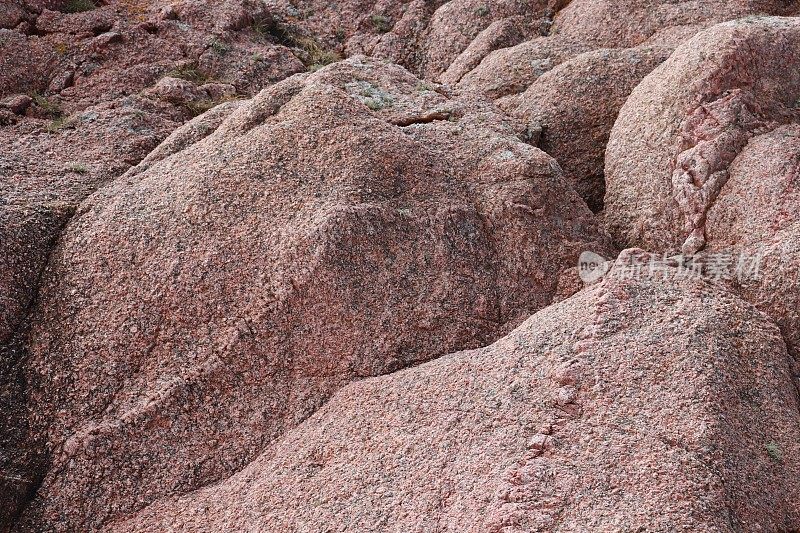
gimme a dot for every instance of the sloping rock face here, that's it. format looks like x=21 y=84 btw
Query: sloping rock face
x=568 y=96
x=75 y=112
x=244 y=289
x=753 y=228
x=658 y=404
x=87 y=91
x=704 y=156
x=573 y=107
x=626 y=23
x=511 y=70
x=570 y=83
x=581 y=26
x=45 y=173
x=340 y=225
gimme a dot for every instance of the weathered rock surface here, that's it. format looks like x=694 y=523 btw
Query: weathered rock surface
x=499 y=35
x=512 y=70
x=627 y=23
x=682 y=127
x=652 y=404
x=432 y=39
x=210 y=300
x=753 y=228
x=458 y=23
x=581 y=26
x=704 y=156
x=86 y=117
x=77 y=109
x=47 y=168
x=573 y=107
x=121 y=49
x=26 y=63
x=340 y=225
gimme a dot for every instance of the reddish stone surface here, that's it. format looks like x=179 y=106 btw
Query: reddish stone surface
x=122 y=48
x=580 y=26
x=704 y=157
x=86 y=76
x=235 y=282
x=754 y=219
x=633 y=405
x=47 y=168
x=682 y=127
x=77 y=109
x=573 y=108
x=340 y=225
x=625 y=23
x=512 y=70
x=432 y=39
x=500 y=34
x=456 y=24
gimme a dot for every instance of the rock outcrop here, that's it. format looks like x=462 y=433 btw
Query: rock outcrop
x=658 y=404
x=88 y=89
x=79 y=106
x=572 y=108
x=511 y=70
x=626 y=23
x=293 y=265
x=122 y=48
x=753 y=228
x=340 y=225
x=432 y=39
x=704 y=157
x=682 y=127
x=47 y=169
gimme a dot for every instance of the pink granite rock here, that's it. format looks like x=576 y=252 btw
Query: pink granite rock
x=651 y=404
x=26 y=63
x=75 y=115
x=12 y=15
x=498 y=35
x=80 y=86
x=120 y=49
x=512 y=70
x=46 y=169
x=676 y=136
x=704 y=157
x=582 y=26
x=429 y=38
x=235 y=279
x=17 y=104
x=753 y=228
x=574 y=106
x=340 y=225
x=456 y=24
x=626 y=23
